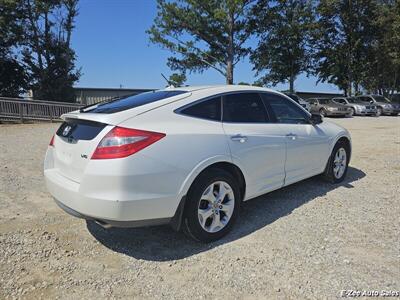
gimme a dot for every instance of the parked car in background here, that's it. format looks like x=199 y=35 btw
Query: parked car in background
x=395 y=98
x=383 y=105
x=299 y=100
x=187 y=156
x=326 y=107
x=356 y=106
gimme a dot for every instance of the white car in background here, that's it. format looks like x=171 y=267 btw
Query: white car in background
x=187 y=156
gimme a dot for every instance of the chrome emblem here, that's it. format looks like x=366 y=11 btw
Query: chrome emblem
x=66 y=130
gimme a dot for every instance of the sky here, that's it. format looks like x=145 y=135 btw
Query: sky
x=113 y=50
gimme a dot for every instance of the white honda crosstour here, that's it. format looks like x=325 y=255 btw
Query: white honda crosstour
x=187 y=156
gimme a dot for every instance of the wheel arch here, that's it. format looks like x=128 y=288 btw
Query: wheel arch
x=346 y=139
x=222 y=164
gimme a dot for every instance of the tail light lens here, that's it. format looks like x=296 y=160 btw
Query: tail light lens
x=51 y=144
x=121 y=142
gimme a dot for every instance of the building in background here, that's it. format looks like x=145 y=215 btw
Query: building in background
x=88 y=96
x=308 y=95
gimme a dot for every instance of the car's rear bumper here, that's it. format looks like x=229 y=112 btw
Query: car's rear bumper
x=111 y=223
x=337 y=113
x=148 y=210
x=366 y=112
x=389 y=111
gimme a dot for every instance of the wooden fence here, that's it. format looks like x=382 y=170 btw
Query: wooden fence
x=21 y=110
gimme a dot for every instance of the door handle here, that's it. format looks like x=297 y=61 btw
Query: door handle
x=291 y=136
x=239 y=138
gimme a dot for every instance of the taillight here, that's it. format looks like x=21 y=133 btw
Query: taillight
x=51 y=144
x=122 y=142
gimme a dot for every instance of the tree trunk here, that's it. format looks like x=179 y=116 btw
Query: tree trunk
x=291 y=84
x=229 y=72
x=230 y=51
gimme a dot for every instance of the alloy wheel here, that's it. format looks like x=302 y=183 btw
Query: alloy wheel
x=216 y=206
x=339 y=163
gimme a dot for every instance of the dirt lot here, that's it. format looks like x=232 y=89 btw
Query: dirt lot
x=309 y=240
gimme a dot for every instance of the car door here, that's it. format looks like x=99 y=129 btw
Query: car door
x=307 y=145
x=256 y=144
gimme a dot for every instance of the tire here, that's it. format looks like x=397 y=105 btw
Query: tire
x=378 y=112
x=352 y=112
x=196 y=202
x=331 y=174
x=322 y=112
x=394 y=114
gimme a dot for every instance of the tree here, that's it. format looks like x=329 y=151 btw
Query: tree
x=382 y=71
x=177 y=79
x=47 y=53
x=203 y=34
x=283 y=50
x=13 y=79
x=343 y=36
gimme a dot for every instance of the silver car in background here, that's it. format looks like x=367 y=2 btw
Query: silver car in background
x=383 y=104
x=356 y=106
x=326 y=107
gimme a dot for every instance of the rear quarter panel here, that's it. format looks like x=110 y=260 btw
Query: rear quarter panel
x=190 y=145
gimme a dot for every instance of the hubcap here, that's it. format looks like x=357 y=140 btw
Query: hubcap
x=216 y=206
x=340 y=163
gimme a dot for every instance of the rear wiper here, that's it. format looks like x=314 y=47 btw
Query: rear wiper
x=89 y=107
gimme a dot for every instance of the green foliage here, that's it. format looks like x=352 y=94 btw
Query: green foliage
x=48 y=55
x=382 y=68
x=13 y=79
x=203 y=34
x=177 y=79
x=35 y=48
x=342 y=40
x=284 y=49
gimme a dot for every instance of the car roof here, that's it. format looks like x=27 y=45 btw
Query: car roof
x=221 y=88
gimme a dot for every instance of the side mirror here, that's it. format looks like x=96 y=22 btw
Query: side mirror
x=316 y=119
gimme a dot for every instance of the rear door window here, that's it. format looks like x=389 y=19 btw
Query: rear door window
x=131 y=102
x=244 y=108
x=208 y=109
x=365 y=99
x=339 y=101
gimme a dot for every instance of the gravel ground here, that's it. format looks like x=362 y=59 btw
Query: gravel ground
x=307 y=241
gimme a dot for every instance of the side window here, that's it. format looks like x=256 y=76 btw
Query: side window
x=340 y=101
x=285 y=111
x=208 y=109
x=244 y=108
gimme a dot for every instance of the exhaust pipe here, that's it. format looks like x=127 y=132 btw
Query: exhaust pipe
x=103 y=224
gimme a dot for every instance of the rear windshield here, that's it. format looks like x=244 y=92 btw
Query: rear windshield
x=131 y=102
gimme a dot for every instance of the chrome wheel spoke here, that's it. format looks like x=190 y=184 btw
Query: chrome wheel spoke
x=209 y=194
x=223 y=191
x=227 y=208
x=216 y=224
x=204 y=214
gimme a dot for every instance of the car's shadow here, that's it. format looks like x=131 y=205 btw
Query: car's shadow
x=161 y=243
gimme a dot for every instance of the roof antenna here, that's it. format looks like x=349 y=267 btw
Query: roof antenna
x=170 y=84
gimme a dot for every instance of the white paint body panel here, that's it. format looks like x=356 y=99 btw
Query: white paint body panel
x=150 y=184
